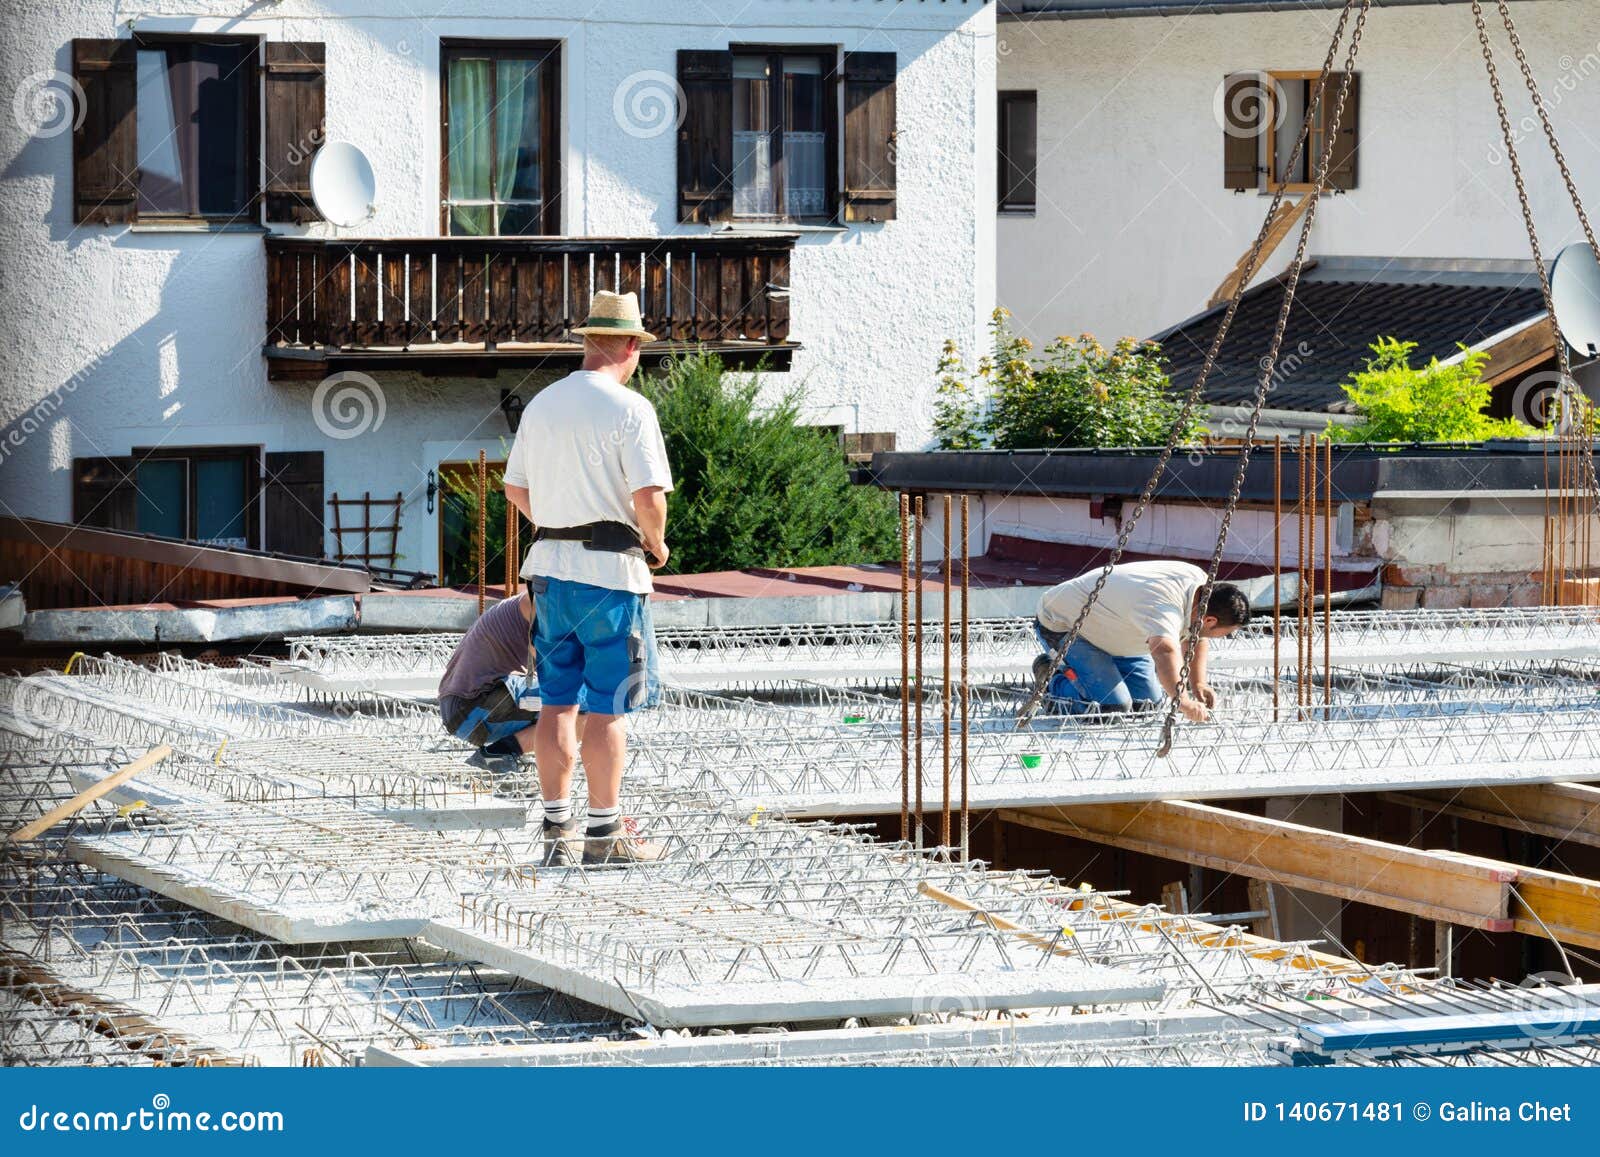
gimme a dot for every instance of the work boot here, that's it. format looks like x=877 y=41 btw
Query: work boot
x=563 y=844
x=618 y=844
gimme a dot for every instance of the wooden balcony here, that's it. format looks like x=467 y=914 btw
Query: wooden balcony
x=470 y=305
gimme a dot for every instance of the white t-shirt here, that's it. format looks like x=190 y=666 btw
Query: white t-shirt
x=1140 y=601
x=584 y=445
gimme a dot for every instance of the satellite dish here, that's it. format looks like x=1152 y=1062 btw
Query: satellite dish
x=342 y=185
x=1575 y=289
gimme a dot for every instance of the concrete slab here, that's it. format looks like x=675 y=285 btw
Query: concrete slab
x=1022 y=1037
x=293 y=922
x=159 y=626
x=710 y=1001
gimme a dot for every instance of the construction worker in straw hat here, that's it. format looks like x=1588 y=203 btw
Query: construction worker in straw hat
x=589 y=470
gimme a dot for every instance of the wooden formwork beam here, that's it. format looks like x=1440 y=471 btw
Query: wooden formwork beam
x=1549 y=904
x=1569 y=812
x=1456 y=889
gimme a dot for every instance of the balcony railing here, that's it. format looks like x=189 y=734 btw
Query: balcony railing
x=444 y=296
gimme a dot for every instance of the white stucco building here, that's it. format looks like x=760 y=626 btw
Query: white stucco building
x=1135 y=220
x=823 y=168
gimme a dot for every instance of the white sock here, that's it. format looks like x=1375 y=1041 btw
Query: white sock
x=601 y=818
x=557 y=811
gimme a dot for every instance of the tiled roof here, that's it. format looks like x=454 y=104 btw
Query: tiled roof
x=1337 y=315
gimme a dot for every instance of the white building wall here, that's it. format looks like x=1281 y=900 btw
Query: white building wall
x=1134 y=229
x=112 y=337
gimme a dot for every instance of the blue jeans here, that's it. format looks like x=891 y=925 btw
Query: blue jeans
x=592 y=645
x=1089 y=677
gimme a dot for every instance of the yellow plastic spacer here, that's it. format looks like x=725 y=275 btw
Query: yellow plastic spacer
x=755 y=816
x=76 y=655
x=1065 y=931
x=1086 y=887
x=216 y=759
x=128 y=809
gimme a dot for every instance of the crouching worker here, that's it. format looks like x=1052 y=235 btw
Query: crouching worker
x=487 y=696
x=1129 y=654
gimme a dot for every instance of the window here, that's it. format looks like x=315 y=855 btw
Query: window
x=195 y=126
x=204 y=495
x=781 y=135
x=501 y=106
x=1019 y=150
x=1265 y=112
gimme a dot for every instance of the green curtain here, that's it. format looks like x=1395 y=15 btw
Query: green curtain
x=517 y=143
x=471 y=131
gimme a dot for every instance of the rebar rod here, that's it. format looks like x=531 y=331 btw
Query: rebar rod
x=966 y=689
x=1277 y=563
x=917 y=530
x=905 y=673
x=944 y=699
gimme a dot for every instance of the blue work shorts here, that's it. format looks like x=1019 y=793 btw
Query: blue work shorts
x=1089 y=678
x=592 y=645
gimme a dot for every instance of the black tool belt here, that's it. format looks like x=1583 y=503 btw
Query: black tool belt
x=616 y=537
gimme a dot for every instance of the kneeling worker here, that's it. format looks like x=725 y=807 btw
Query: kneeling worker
x=486 y=696
x=1129 y=654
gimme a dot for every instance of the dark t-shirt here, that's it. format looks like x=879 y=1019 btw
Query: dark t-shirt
x=496 y=646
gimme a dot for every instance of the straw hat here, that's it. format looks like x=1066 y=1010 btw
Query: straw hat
x=614 y=315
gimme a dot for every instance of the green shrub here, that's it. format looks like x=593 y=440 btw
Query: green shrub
x=1434 y=403
x=754 y=486
x=1077 y=394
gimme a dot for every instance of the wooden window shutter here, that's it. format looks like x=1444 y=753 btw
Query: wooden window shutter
x=1342 y=166
x=105 y=156
x=295 y=103
x=869 y=136
x=293 y=498
x=105 y=493
x=1243 y=106
x=705 y=136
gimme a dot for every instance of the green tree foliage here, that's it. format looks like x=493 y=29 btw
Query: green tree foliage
x=755 y=487
x=1077 y=394
x=1398 y=402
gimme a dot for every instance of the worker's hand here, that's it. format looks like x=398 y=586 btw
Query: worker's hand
x=1193 y=710
x=1206 y=695
x=656 y=554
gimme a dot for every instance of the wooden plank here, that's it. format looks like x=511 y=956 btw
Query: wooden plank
x=1568 y=812
x=653 y=300
x=778 y=297
x=341 y=326
x=1434 y=885
x=366 y=301
x=419 y=307
x=1522 y=351
x=733 y=298
x=392 y=329
x=475 y=295
x=1289 y=211
x=447 y=307
x=552 y=315
x=1061 y=946
x=682 y=308
x=1550 y=904
x=88 y=795
x=502 y=297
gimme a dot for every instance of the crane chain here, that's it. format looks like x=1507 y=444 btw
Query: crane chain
x=1252 y=259
x=1263 y=383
